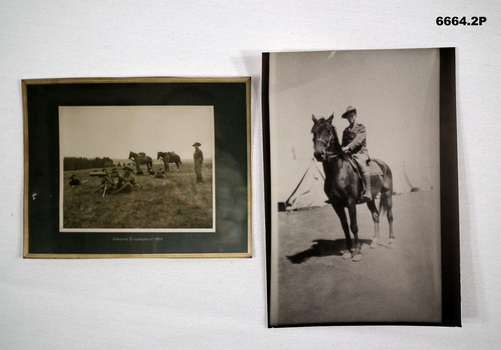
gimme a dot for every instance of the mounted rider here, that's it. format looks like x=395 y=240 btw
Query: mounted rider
x=355 y=143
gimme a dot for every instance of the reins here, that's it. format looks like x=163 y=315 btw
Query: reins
x=328 y=154
x=332 y=155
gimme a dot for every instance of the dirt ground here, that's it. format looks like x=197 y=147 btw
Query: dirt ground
x=314 y=284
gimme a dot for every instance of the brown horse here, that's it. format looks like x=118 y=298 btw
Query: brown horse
x=139 y=159
x=169 y=157
x=343 y=186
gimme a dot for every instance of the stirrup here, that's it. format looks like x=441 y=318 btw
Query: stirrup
x=365 y=198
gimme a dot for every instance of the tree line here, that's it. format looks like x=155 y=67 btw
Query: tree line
x=78 y=163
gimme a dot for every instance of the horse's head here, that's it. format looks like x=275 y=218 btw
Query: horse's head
x=325 y=141
x=159 y=155
x=132 y=155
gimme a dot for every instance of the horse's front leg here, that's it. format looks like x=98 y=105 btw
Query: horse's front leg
x=138 y=169
x=352 y=211
x=344 y=224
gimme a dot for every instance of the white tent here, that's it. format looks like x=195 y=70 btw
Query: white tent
x=401 y=181
x=409 y=179
x=309 y=192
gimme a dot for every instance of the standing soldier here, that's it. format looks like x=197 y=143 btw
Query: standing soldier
x=198 y=157
x=355 y=142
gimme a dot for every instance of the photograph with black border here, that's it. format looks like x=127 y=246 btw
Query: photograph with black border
x=361 y=187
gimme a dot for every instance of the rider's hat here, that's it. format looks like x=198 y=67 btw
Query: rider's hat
x=197 y=144
x=349 y=110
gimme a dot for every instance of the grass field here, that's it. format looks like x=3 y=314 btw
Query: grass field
x=176 y=202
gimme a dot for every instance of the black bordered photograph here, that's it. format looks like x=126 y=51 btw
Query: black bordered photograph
x=361 y=197
x=137 y=167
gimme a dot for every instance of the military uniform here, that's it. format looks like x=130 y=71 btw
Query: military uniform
x=198 y=157
x=74 y=181
x=354 y=139
x=126 y=182
x=129 y=178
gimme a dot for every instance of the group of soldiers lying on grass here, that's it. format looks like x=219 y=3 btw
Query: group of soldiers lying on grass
x=109 y=185
x=125 y=183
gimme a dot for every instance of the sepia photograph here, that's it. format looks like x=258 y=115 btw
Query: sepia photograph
x=118 y=160
x=354 y=217
x=137 y=167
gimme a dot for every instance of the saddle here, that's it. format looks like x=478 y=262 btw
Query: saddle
x=374 y=168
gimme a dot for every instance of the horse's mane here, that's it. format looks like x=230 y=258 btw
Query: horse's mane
x=138 y=156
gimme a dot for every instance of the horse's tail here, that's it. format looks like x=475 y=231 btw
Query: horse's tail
x=384 y=206
x=386 y=189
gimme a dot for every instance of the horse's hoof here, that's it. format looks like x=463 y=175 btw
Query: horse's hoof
x=392 y=244
x=357 y=258
x=346 y=255
x=374 y=244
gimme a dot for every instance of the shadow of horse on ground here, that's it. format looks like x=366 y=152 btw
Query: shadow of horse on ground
x=322 y=247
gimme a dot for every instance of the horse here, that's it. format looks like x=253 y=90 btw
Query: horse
x=140 y=159
x=169 y=157
x=343 y=186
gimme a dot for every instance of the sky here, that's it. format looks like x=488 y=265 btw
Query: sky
x=114 y=131
x=395 y=92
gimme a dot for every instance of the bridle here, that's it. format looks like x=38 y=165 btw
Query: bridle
x=164 y=156
x=328 y=155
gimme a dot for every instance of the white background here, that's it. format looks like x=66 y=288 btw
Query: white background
x=221 y=303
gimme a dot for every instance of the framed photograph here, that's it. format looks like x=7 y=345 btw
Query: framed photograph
x=137 y=167
x=361 y=179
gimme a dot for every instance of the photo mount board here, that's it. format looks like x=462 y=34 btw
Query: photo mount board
x=230 y=100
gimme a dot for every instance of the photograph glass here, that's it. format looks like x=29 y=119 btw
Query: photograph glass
x=355 y=187
x=137 y=167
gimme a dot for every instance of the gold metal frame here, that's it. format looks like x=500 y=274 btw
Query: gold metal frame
x=244 y=253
